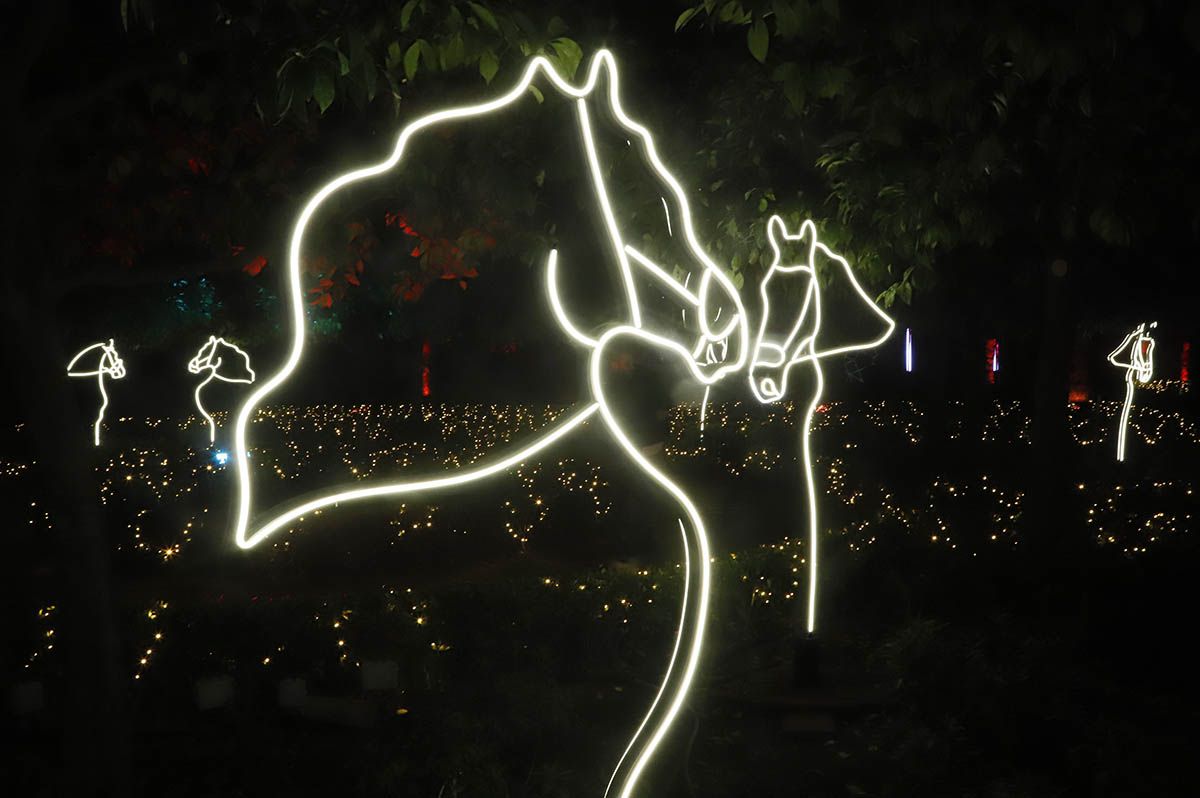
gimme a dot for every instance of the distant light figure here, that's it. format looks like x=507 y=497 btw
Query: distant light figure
x=110 y=364
x=993 y=360
x=908 y=350
x=224 y=362
x=221 y=457
x=780 y=348
x=1140 y=364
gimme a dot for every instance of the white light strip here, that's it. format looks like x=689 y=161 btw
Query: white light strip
x=695 y=610
x=556 y=306
x=210 y=358
x=687 y=582
x=110 y=364
x=1141 y=365
x=773 y=356
x=908 y=350
x=704 y=407
x=461 y=477
x=610 y=221
x=700 y=538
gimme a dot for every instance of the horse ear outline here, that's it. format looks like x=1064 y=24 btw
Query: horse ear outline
x=776 y=234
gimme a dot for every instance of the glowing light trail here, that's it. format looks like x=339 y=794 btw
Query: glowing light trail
x=213 y=355
x=778 y=357
x=908 y=350
x=110 y=364
x=1139 y=364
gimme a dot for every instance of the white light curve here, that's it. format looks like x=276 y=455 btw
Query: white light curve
x=675 y=685
x=1140 y=365
x=219 y=357
x=110 y=365
x=774 y=356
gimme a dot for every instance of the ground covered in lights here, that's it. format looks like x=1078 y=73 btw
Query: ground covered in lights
x=504 y=640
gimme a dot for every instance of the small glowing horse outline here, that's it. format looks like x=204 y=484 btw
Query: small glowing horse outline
x=110 y=365
x=706 y=355
x=1139 y=364
x=778 y=356
x=215 y=353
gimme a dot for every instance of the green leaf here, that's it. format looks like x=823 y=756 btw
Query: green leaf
x=429 y=54
x=370 y=79
x=488 y=65
x=394 y=55
x=684 y=17
x=537 y=94
x=453 y=52
x=323 y=90
x=412 y=59
x=758 y=39
x=406 y=14
x=485 y=16
x=570 y=54
x=787 y=20
x=343 y=64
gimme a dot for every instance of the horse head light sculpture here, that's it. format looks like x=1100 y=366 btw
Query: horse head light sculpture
x=108 y=365
x=223 y=361
x=785 y=342
x=1138 y=347
x=714 y=346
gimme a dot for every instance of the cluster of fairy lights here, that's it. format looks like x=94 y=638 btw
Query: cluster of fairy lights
x=141 y=485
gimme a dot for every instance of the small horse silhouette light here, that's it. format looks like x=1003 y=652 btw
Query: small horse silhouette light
x=780 y=347
x=1139 y=349
x=711 y=343
x=109 y=365
x=223 y=361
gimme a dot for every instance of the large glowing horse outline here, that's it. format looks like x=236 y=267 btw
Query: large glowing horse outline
x=215 y=353
x=706 y=359
x=1140 y=364
x=690 y=636
x=110 y=365
x=778 y=354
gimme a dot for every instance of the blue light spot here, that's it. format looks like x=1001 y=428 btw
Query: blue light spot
x=222 y=457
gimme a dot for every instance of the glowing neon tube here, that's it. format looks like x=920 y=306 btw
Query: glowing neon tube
x=223 y=361
x=110 y=365
x=716 y=291
x=1140 y=365
x=779 y=357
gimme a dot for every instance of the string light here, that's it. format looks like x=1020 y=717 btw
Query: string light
x=970 y=514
